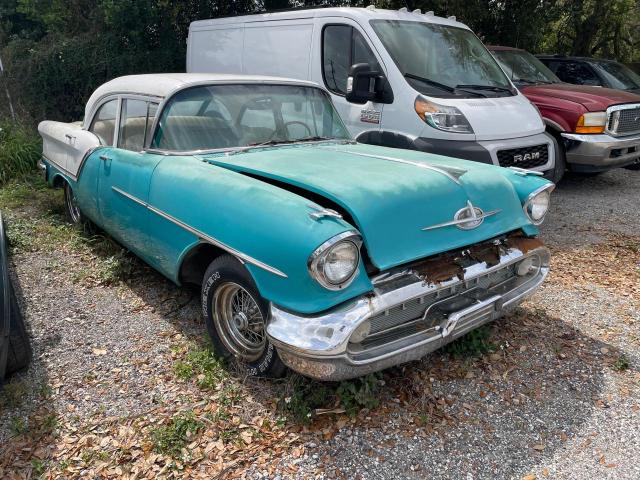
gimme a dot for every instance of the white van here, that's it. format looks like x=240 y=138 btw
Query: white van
x=398 y=78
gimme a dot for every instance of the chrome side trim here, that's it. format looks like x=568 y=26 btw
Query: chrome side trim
x=201 y=235
x=61 y=168
x=531 y=196
x=321 y=212
x=451 y=173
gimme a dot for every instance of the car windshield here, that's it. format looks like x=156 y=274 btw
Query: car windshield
x=442 y=61
x=524 y=68
x=618 y=76
x=226 y=116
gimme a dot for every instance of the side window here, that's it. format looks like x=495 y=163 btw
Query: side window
x=104 y=122
x=136 y=119
x=576 y=72
x=343 y=46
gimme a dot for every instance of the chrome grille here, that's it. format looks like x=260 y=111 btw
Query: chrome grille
x=415 y=308
x=625 y=121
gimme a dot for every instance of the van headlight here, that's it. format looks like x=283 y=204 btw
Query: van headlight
x=537 y=204
x=334 y=264
x=442 y=117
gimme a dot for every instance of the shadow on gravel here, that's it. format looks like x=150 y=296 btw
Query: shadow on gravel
x=494 y=416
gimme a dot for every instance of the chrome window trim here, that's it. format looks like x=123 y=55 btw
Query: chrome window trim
x=550 y=187
x=201 y=235
x=352 y=236
x=617 y=108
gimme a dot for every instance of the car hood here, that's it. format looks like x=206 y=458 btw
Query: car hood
x=390 y=195
x=594 y=99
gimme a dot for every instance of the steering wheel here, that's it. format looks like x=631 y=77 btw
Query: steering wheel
x=297 y=122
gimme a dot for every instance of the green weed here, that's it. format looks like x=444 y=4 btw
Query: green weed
x=172 y=438
x=20 y=149
x=475 y=343
x=622 y=363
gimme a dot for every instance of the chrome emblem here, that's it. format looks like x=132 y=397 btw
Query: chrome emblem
x=526 y=156
x=466 y=218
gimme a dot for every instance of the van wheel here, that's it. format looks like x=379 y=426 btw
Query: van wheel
x=71 y=205
x=236 y=316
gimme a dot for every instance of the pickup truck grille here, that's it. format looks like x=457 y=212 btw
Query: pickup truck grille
x=624 y=122
x=524 y=157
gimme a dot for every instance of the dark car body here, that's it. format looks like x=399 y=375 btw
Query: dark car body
x=567 y=110
x=593 y=71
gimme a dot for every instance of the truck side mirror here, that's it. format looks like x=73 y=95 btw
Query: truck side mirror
x=365 y=84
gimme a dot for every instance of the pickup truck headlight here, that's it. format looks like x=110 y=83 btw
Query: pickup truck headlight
x=442 y=117
x=334 y=264
x=592 y=122
x=537 y=204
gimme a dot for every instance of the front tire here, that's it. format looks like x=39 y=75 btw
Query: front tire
x=236 y=315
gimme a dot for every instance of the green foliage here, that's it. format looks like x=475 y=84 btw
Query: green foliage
x=170 y=439
x=299 y=396
x=20 y=149
x=475 y=343
x=202 y=364
x=622 y=363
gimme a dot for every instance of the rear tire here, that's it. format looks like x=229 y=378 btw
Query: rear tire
x=633 y=166
x=236 y=315
x=72 y=209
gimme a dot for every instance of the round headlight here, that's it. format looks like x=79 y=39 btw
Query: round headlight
x=335 y=263
x=537 y=206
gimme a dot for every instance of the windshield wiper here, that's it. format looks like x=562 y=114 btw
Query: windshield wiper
x=441 y=86
x=494 y=88
x=428 y=81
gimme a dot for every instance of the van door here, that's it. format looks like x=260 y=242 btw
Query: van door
x=343 y=44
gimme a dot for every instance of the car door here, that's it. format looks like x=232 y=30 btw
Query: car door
x=125 y=173
x=343 y=45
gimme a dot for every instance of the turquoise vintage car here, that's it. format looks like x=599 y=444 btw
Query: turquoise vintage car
x=312 y=251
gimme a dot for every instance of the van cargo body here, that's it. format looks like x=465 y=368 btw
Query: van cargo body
x=446 y=98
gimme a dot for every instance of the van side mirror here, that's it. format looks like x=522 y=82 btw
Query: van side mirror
x=365 y=84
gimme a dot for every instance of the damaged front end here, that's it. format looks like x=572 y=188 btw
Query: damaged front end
x=413 y=309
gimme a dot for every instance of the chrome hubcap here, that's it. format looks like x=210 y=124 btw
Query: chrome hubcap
x=239 y=322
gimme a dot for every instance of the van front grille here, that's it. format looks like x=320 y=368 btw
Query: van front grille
x=524 y=157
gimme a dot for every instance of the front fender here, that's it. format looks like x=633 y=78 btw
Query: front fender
x=264 y=222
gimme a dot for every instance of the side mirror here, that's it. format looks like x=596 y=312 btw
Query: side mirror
x=365 y=84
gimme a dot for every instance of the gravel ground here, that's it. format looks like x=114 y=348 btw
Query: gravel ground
x=558 y=397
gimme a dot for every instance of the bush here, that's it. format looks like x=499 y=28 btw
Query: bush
x=20 y=149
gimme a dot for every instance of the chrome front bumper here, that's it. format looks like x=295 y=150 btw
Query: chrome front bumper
x=319 y=347
x=597 y=153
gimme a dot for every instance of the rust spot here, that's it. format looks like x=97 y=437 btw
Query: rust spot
x=485 y=252
x=523 y=244
x=440 y=269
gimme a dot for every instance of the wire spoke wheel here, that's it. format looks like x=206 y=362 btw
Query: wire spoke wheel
x=72 y=204
x=239 y=322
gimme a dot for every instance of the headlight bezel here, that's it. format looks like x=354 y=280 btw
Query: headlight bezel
x=544 y=189
x=426 y=110
x=315 y=263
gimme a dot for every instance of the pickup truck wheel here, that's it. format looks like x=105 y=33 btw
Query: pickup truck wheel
x=236 y=315
x=71 y=204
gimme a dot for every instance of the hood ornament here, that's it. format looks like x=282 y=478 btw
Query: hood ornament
x=466 y=218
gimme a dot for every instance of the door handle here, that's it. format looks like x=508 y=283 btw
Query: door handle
x=104 y=158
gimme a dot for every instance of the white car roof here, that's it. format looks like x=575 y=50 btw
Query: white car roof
x=162 y=84
x=362 y=14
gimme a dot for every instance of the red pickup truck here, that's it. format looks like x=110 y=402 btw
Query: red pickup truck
x=596 y=128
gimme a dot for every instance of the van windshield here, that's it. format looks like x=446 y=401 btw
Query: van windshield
x=442 y=61
x=243 y=115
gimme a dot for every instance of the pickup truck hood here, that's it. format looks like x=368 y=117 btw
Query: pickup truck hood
x=594 y=99
x=390 y=195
